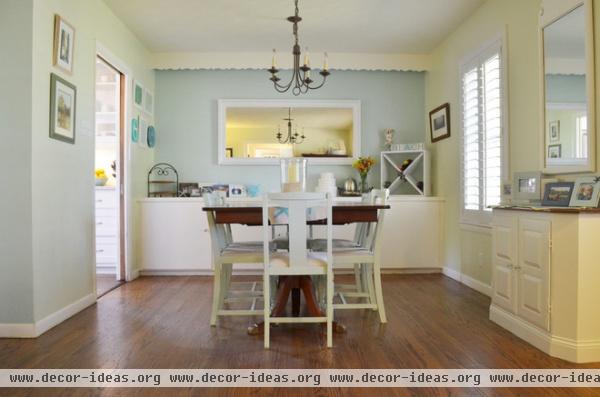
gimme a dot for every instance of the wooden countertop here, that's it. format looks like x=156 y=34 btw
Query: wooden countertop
x=553 y=210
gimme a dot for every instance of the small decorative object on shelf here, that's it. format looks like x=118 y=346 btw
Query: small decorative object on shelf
x=389 y=138
x=405 y=172
x=163 y=181
x=101 y=177
x=363 y=165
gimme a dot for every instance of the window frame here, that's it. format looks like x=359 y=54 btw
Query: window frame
x=483 y=217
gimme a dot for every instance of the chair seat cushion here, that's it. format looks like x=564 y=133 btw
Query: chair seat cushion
x=320 y=244
x=316 y=263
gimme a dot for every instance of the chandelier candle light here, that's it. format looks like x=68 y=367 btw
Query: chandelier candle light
x=300 y=83
x=292 y=136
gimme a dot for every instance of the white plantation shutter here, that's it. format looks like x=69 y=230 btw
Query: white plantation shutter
x=482 y=133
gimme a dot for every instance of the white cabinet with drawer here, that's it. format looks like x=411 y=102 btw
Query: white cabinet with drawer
x=107 y=230
x=546 y=278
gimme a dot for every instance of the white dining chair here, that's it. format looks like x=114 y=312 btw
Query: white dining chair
x=299 y=260
x=367 y=257
x=225 y=253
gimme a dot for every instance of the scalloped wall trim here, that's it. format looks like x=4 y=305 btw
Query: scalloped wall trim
x=262 y=60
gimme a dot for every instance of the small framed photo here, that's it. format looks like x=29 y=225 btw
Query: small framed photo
x=554 y=127
x=586 y=192
x=554 y=151
x=64 y=39
x=149 y=102
x=237 y=191
x=188 y=189
x=439 y=122
x=558 y=194
x=63 y=101
x=138 y=94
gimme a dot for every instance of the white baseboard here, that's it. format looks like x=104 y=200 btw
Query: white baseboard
x=259 y=272
x=583 y=351
x=17 y=330
x=33 y=330
x=66 y=312
x=470 y=282
x=477 y=285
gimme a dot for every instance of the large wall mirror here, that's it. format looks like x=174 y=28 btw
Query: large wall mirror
x=568 y=89
x=262 y=131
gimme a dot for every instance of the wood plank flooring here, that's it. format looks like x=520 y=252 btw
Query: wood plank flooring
x=163 y=322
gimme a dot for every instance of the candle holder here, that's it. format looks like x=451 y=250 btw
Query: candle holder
x=293 y=174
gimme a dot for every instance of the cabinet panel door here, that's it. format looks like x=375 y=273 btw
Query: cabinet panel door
x=504 y=260
x=533 y=271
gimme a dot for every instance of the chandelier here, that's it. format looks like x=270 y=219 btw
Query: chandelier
x=300 y=83
x=292 y=137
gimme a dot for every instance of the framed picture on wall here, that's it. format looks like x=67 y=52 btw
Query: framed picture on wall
x=554 y=127
x=586 y=192
x=554 y=151
x=439 y=122
x=63 y=101
x=64 y=38
x=228 y=152
x=143 y=141
x=138 y=95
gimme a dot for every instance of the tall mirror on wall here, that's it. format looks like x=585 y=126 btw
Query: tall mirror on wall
x=568 y=88
x=263 y=131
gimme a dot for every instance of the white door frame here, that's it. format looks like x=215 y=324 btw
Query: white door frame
x=125 y=188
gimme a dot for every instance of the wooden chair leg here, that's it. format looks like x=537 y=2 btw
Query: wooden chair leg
x=266 y=312
x=357 y=278
x=216 y=294
x=379 y=292
x=368 y=269
x=330 y=311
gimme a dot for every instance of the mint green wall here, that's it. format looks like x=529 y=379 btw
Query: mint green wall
x=186 y=118
x=562 y=88
x=16 y=267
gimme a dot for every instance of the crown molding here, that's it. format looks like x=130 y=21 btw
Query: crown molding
x=262 y=60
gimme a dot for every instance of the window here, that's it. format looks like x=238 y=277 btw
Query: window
x=482 y=133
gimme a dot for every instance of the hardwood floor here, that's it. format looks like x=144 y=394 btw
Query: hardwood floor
x=105 y=283
x=163 y=322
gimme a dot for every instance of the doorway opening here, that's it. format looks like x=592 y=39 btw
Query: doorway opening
x=109 y=166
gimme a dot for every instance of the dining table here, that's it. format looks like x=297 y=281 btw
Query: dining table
x=250 y=214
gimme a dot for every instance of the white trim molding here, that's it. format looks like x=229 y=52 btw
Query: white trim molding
x=33 y=330
x=262 y=61
x=469 y=281
x=584 y=351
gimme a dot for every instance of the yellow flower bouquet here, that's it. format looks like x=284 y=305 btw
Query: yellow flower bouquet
x=363 y=165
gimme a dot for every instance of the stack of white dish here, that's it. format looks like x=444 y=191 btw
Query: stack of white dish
x=326 y=184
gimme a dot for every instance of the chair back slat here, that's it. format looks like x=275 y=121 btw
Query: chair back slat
x=297 y=206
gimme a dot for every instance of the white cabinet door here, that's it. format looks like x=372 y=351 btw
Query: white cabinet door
x=174 y=236
x=504 y=259
x=533 y=270
x=412 y=234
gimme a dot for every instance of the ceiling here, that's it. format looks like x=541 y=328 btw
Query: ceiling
x=342 y=26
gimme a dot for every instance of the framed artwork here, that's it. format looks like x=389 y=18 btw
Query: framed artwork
x=554 y=151
x=143 y=132
x=64 y=39
x=554 y=128
x=228 y=152
x=586 y=192
x=439 y=122
x=151 y=136
x=135 y=129
x=237 y=191
x=188 y=189
x=558 y=194
x=138 y=95
x=63 y=100
x=149 y=102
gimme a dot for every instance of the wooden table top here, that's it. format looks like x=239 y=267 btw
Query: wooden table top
x=250 y=213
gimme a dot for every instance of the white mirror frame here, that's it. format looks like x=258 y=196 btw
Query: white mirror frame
x=224 y=104
x=553 y=10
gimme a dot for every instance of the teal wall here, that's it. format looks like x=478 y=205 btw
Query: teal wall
x=186 y=118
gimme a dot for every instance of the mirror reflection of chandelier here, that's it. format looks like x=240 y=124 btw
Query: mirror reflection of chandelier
x=292 y=135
